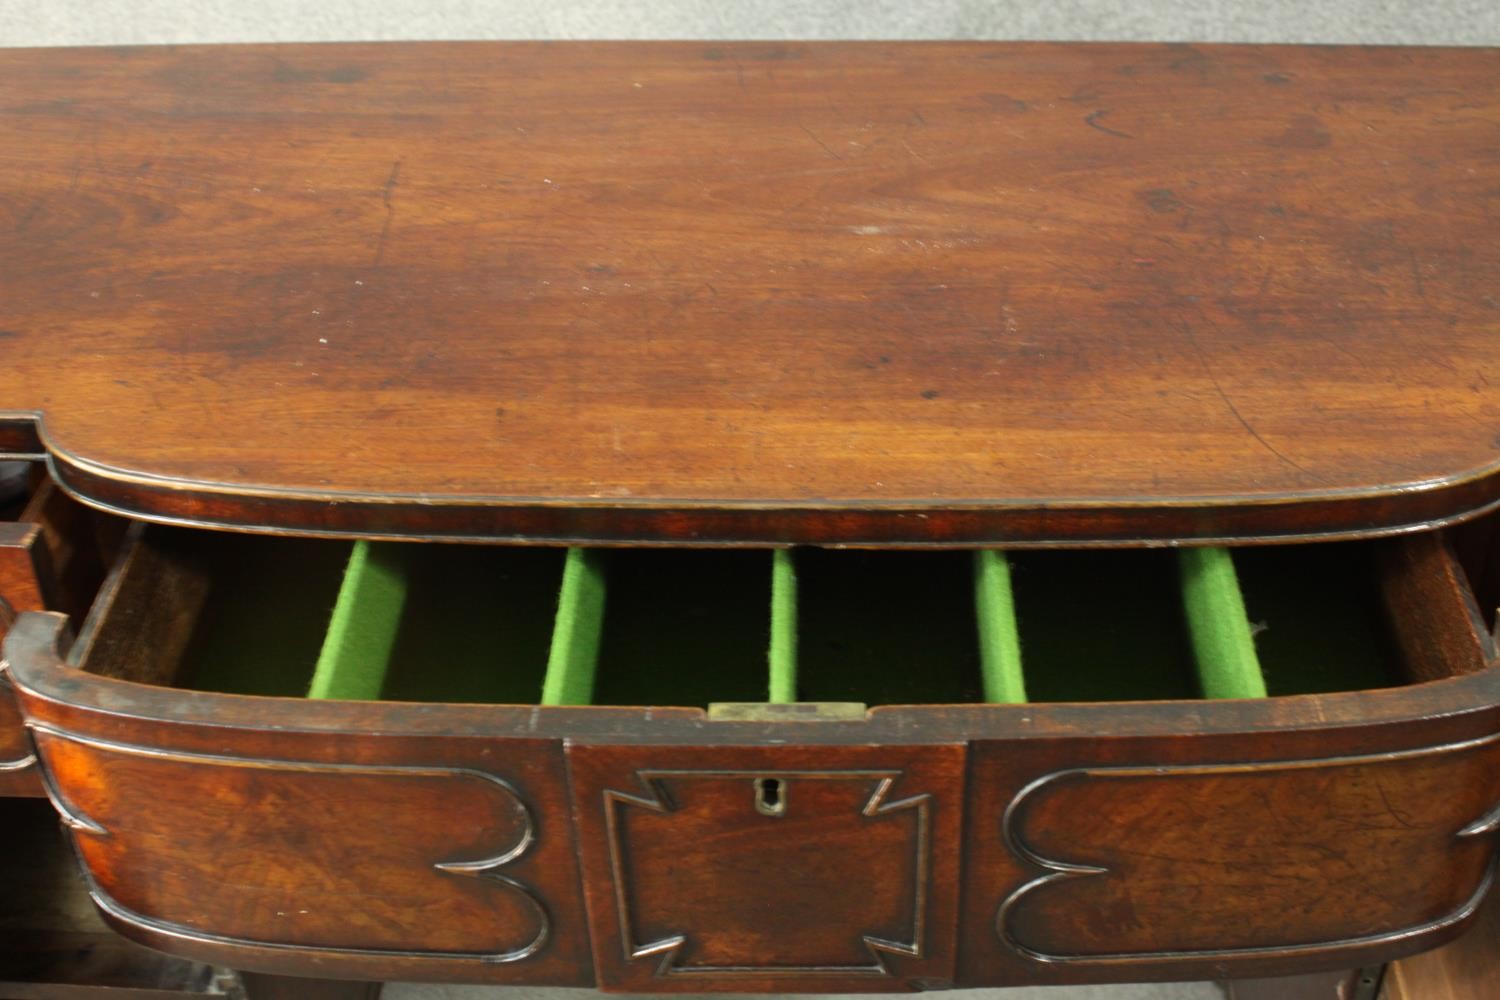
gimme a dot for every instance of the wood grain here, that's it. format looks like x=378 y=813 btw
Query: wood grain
x=1221 y=857
x=76 y=544
x=865 y=293
x=692 y=884
x=18 y=776
x=1442 y=632
x=350 y=865
x=261 y=831
x=21 y=585
x=1337 y=849
x=1477 y=544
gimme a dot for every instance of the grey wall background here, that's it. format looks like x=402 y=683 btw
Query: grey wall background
x=108 y=22
x=118 y=22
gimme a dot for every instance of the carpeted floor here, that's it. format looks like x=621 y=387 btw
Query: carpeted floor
x=96 y=22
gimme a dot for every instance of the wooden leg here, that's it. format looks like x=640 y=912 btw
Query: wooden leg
x=259 y=986
x=53 y=945
x=1467 y=969
x=1356 y=984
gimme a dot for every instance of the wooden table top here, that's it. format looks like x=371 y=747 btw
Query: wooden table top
x=838 y=292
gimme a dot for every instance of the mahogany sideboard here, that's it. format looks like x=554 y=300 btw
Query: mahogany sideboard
x=764 y=517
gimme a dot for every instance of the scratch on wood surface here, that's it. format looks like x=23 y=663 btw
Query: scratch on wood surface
x=1187 y=332
x=814 y=137
x=1416 y=275
x=1092 y=121
x=387 y=196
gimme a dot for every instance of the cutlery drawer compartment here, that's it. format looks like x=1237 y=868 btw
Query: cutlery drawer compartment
x=659 y=769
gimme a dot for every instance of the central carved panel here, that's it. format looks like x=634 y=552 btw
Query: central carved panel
x=771 y=869
x=719 y=827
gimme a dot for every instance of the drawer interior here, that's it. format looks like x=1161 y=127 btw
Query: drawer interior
x=53 y=550
x=1476 y=546
x=692 y=627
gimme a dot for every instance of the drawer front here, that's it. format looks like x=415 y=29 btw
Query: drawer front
x=1097 y=862
x=787 y=847
x=453 y=852
x=345 y=854
x=771 y=868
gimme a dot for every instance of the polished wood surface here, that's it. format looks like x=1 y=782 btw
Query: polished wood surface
x=18 y=774
x=1260 y=866
x=846 y=881
x=882 y=293
x=372 y=858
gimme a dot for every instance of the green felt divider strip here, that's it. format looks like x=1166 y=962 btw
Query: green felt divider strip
x=1218 y=625
x=362 y=631
x=999 y=639
x=783 y=652
x=574 y=656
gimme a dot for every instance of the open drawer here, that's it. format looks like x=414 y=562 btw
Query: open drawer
x=652 y=769
x=53 y=555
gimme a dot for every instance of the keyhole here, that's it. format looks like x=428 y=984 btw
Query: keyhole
x=770 y=797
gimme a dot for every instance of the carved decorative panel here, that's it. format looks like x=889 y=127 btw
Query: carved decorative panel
x=764 y=866
x=337 y=862
x=1144 y=865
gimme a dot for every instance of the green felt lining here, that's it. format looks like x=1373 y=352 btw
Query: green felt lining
x=261 y=628
x=1223 y=646
x=1102 y=625
x=1318 y=618
x=887 y=627
x=481 y=624
x=574 y=657
x=999 y=639
x=362 y=632
x=477 y=624
x=684 y=627
x=783 y=653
